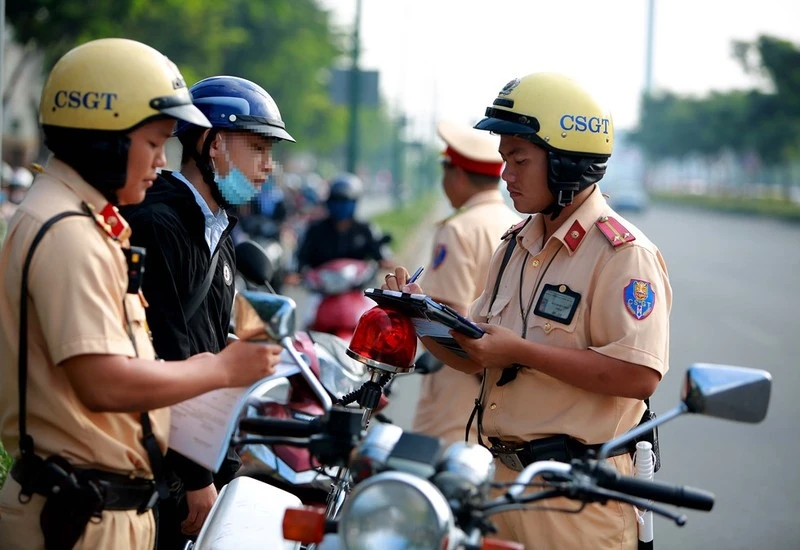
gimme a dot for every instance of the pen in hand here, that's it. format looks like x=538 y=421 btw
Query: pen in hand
x=415 y=276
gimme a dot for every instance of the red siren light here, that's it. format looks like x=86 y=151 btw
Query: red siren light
x=384 y=339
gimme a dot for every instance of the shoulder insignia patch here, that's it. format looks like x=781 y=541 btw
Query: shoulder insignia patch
x=574 y=235
x=439 y=254
x=639 y=298
x=615 y=232
x=514 y=229
x=108 y=219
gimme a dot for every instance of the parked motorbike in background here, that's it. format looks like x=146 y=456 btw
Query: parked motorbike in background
x=337 y=292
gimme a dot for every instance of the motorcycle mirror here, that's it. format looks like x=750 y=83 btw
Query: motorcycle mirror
x=733 y=393
x=253 y=263
x=722 y=391
x=272 y=315
x=259 y=312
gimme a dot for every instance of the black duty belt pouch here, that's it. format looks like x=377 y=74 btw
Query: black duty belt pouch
x=70 y=503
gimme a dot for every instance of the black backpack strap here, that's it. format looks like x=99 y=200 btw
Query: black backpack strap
x=191 y=307
x=25 y=439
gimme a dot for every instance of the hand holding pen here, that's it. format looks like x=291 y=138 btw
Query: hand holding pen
x=401 y=281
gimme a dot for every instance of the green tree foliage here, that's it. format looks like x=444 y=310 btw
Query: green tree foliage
x=764 y=122
x=287 y=46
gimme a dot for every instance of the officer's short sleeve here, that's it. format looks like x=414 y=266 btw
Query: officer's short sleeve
x=629 y=316
x=75 y=285
x=450 y=276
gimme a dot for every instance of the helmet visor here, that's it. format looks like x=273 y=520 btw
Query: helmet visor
x=180 y=109
x=504 y=122
x=264 y=126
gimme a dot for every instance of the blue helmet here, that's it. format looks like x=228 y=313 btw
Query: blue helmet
x=345 y=186
x=233 y=103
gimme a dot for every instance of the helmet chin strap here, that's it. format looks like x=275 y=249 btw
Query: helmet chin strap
x=564 y=178
x=563 y=199
x=203 y=162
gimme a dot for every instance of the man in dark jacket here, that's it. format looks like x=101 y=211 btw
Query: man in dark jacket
x=190 y=263
x=340 y=234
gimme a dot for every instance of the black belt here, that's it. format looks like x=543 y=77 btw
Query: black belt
x=561 y=448
x=119 y=492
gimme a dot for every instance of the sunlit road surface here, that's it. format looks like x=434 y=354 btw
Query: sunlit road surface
x=736 y=301
x=736 y=285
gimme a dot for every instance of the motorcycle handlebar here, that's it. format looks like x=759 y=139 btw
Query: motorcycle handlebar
x=280 y=427
x=677 y=495
x=607 y=477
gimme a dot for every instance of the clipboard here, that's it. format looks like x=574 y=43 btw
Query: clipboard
x=430 y=318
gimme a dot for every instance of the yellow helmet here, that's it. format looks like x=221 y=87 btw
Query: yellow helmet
x=115 y=84
x=554 y=112
x=557 y=114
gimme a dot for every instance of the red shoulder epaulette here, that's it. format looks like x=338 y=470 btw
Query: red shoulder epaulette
x=514 y=229
x=615 y=232
x=108 y=220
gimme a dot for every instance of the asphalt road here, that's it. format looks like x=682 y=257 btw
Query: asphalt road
x=735 y=284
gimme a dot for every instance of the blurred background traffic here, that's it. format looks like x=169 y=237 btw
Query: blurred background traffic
x=706 y=102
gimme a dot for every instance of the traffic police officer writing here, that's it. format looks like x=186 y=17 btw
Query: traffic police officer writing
x=463 y=245
x=87 y=452
x=575 y=310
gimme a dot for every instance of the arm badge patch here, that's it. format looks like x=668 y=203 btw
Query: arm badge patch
x=639 y=298
x=439 y=254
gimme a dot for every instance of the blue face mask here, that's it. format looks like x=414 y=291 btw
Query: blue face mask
x=340 y=209
x=235 y=187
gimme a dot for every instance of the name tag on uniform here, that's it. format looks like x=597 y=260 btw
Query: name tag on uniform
x=557 y=303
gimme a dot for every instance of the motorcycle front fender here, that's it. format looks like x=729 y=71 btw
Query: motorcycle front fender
x=247 y=514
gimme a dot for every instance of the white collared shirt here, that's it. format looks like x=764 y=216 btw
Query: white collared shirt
x=215 y=223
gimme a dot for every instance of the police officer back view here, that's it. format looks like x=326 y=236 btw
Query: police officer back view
x=463 y=246
x=576 y=311
x=77 y=367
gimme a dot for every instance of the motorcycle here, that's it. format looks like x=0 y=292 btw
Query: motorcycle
x=327 y=372
x=339 y=285
x=407 y=494
x=451 y=509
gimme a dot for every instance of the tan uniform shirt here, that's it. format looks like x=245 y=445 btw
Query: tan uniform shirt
x=464 y=244
x=77 y=305
x=623 y=311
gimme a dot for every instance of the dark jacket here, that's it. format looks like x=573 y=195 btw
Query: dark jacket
x=171 y=227
x=322 y=242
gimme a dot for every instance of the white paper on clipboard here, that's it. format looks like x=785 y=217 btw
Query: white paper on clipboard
x=201 y=427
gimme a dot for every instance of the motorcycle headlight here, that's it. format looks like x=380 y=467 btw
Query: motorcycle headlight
x=395 y=511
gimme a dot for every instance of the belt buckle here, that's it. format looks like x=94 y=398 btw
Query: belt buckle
x=511 y=461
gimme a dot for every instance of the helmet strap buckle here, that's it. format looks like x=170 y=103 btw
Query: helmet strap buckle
x=565 y=197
